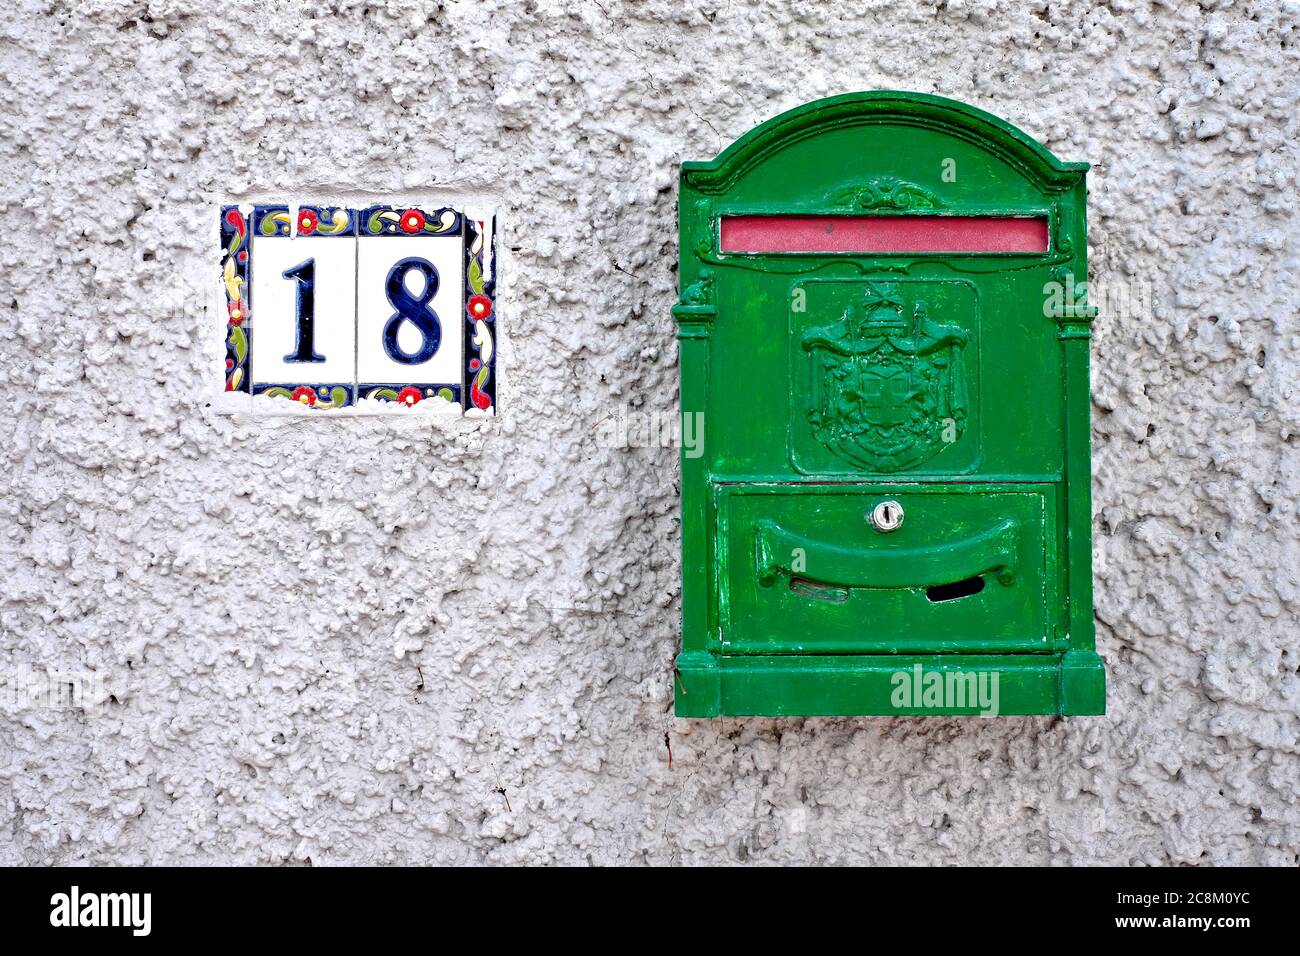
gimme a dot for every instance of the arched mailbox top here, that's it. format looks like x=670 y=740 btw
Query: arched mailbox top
x=999 y=138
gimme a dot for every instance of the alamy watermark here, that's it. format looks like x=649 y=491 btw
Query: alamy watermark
x=130 y=910
x=25 y=687
x=1122 y=299
x=635 y=428
x=946 y=690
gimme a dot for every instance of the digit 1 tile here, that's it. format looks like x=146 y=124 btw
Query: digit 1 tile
x=304 y=283
x=410 y=305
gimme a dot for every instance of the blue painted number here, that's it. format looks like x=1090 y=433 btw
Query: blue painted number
x=414 y=309
x=304 y=273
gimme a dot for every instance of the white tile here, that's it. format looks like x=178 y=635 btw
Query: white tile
x=377 y=257
x=275 y=316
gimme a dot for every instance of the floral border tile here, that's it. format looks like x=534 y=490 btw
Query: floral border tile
x=281 y=220
x=272 y=221
x=480 y=312
x=310 y=396
x=411 y=395
x=235 y=264
x=407 y=221
x=325 y=221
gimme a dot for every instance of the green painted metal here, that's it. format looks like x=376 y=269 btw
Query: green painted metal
x=953 y=385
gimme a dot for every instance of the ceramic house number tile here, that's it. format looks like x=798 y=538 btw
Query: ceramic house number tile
x=381 y=307
x=304 y=283
x=410 y=304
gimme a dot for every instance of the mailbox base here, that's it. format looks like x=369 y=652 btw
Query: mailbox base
x=1073 y=683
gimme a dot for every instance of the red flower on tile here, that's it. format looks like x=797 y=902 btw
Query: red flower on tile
x=307 y=222
x=412 y=221
x=480 y=306
x=238 y=313
x=305 y=395
x=409 y=396
x=235 y=219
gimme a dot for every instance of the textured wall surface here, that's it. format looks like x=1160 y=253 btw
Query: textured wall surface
x=339 y=641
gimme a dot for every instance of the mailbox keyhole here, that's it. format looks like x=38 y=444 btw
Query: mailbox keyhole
x=886 y=516
x=958 y=589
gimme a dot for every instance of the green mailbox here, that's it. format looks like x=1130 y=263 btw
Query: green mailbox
x=884 y=348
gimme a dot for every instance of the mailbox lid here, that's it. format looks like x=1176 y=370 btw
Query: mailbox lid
x=971 y=569
x=958 y=340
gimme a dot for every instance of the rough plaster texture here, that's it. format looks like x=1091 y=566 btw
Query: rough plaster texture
x=333 y=641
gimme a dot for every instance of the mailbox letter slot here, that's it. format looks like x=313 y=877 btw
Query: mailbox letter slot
x=862 y=235
x=992 y=552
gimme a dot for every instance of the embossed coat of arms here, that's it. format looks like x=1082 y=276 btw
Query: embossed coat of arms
x=888 y=387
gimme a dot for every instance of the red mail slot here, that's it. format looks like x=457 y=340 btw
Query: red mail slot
x=884 y=234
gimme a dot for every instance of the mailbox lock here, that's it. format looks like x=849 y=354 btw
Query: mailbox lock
x=886 y=516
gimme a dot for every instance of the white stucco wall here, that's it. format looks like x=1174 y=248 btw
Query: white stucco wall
x=333 y=641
